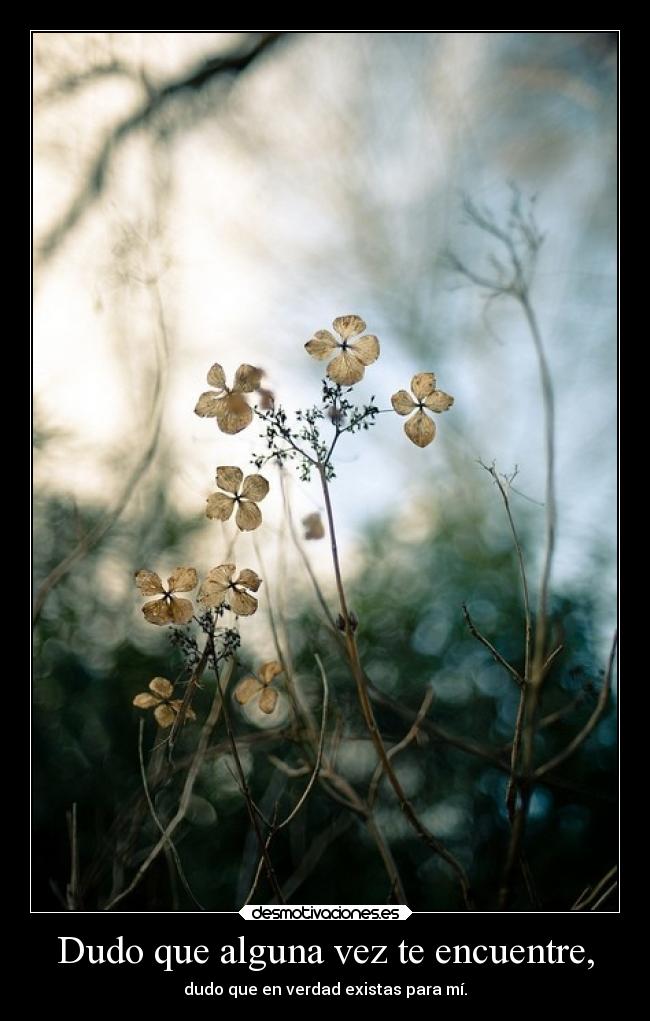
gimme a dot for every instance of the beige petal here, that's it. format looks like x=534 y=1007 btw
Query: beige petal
x=220 y=506
x=423 y=384
x=183 y=579
x=207 y=405
x=247 y=379
x=366 y=349
x=182 y=610
x=158 y=611
x=268 y=700
x=229 y=479
x=403 y=403
x=221 y=575
x=145 y=701
x=313 y=525
x=348 y=326
x=217 y=377
x=248 y=516
x=420 y=429
x=249 y=579
x=211 y=594
x=165 y=715
x=255 y=487
x=149 y=583
x=233 y=414
x=246 y=689
x=214 y=589
x=322 y=345
x=162 y=687
x=345 y=369
x=177 y=705
x=268 y=671
x=242 y=603
x=438 y=401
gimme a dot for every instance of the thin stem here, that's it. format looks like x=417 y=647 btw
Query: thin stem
x=494 y=652
x=366 y=708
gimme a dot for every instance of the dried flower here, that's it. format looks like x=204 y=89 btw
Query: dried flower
x=267 y=398
x=350 y=364
x=313 y=525
x=419 y=428
x=247 y=493
x=228 y=405
x=159 y=698
x=259 y=688
x=168 y=609
x=219 y=586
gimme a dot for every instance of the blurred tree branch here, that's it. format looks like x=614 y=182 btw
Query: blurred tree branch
x=228 y=66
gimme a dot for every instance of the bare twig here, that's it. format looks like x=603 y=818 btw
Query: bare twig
x=590 y=725
x=410 y=736
x=72 y=897
x=186 y=794
x=496 y=655
x=590 y=896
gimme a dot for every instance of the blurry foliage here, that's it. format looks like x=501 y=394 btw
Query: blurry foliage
x=414 y=574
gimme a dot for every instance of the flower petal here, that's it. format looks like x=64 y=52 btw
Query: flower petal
x=207 y=405
x=162 y=687
x=247 y=689
x=345 y=369
x=221 y=575
x=268 y=700
x=348 y=326
x=149 y=583
x=366 y=349
x=248 y=516
x=423 y=384
x=242 y=603
x=403 y=403
x=165 y=715
x=247 y=379
x=214 y=589
x=183 y=579
x=220 y=506
x=233 y=414
x=217 y=377
x=249 y=579
x=181 y=610
x=255 y=488
x=438 y=401
x=145 y=701
x=420 y=429
x=268 y=671
x=158 y=611
x=229 y=479
x=313 y=525
x=322 y=345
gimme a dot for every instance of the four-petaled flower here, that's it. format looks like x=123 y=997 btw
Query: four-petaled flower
x=221 y=586
x=246 y=494
x=159 y=698
x=167 y=609
x=350 y=364
x=419 y=428
x=259 y=688
x=228 y=404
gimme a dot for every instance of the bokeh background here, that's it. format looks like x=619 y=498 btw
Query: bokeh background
x=203 y=197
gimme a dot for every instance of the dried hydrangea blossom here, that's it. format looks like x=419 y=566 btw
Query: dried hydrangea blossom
x=221 y=586
x=168 y=609
x=246 y=494
x=419 y=428
x=313 y=525
x=259 y=688
x=228 y=404
x=350 y=364
x=159 y=698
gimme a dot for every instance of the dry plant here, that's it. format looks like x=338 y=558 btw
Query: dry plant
x=208 y=629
